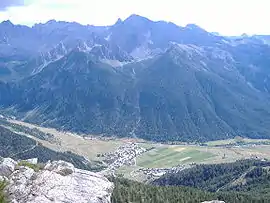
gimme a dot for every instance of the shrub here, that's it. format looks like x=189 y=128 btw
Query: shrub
x=3 y=184
x=35 y=167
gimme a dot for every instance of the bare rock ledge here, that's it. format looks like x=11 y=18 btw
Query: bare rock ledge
x=58 y=182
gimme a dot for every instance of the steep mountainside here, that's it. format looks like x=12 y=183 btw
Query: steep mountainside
x=138 y=78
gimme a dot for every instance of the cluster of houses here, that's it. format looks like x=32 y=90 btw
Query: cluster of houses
x=124 y=155
x=157 y=172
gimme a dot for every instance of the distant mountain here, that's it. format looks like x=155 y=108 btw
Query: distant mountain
x=264 y=38
x=142 y=37
x=139 y=78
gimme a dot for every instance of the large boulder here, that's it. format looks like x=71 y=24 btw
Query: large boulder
x=7 y=166
x=60 y=167
x=58 y=182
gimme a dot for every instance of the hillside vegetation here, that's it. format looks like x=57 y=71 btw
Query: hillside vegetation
x=2 y=193
x=130 y=191
x=21 y=147
x=247 y=176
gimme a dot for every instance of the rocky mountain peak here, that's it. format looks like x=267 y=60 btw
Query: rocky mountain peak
x=7 y=23
x=136 y=20
x=119 y=21
x=195 y=27
x=51 y=22
x=136 y=17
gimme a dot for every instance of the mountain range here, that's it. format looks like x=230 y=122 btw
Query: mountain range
x=137 y=78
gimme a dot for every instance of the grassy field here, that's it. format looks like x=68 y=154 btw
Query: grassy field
x=170 y=156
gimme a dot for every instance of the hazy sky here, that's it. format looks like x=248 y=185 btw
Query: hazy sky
x=228 y=17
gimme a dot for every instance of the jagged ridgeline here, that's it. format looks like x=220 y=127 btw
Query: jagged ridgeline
x=138 y=78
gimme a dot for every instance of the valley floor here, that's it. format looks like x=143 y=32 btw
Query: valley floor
x=142 y=160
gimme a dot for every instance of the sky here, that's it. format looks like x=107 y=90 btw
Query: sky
x=227 y=17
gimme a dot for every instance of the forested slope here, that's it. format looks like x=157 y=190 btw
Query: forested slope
x=245 y=176
x=21 y=147
x=130 y=191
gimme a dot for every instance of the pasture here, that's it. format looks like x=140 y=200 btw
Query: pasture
x=170 y=156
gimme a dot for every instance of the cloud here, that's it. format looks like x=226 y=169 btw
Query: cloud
x=5 y=4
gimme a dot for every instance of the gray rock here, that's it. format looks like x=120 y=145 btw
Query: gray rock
x=214 y=201
x=60 y=167
x=20 y=184
x=7 y=166
x=58 y=182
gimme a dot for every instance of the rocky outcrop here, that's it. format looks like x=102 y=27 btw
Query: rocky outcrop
x=7 y=167
x=59 y=182
x=214 y=201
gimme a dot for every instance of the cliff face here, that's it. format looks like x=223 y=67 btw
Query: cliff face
x=58 y=181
